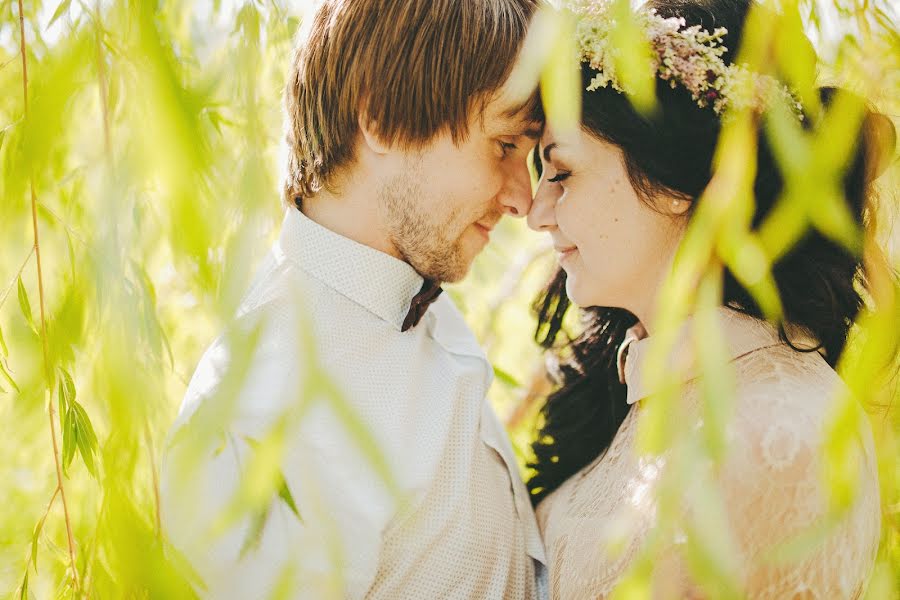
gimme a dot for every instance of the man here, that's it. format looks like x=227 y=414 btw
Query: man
x=358 y=455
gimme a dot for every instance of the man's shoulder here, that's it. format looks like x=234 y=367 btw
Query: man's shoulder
x=287 y=325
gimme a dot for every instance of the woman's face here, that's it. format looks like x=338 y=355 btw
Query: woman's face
x=615 y=248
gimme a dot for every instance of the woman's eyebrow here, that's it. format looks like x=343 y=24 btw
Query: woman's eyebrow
x=547 y=150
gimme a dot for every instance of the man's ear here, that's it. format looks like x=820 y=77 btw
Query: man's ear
x=372 y=140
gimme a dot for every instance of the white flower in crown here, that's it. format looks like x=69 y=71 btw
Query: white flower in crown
x=686 y=56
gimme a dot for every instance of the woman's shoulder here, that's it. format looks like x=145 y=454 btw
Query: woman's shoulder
x=786 y=383
x=787 y=402
x=790 y=407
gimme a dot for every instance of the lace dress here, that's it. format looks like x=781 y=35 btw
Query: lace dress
x=771 y=482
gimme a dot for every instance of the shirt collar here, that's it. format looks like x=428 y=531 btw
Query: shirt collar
x=382 y=284
x=742 y=334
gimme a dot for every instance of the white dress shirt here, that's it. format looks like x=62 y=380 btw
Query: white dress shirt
x=458 y=524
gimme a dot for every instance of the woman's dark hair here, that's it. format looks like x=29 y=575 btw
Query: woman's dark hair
x=672 y=151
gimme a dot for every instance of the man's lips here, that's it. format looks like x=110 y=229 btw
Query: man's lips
x=565 y=251
x=484 y=230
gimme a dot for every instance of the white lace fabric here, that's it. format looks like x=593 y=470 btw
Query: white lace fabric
x=772 y=480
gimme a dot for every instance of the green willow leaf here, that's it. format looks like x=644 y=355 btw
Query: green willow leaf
x=71 y=250
x=66 y=388
x=634 y=58
x=86 y=438
x=35 y=535
x=25 y=305
x=70 y=435
x=254 y=534
x=23 y=591
x=66 y=394
x=284 y=492
x=3 y=347
x=4 y=370
x=506 y=378
x=63 y=407
x=61 y=9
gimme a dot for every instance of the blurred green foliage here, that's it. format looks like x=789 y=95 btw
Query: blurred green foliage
x=144 y=177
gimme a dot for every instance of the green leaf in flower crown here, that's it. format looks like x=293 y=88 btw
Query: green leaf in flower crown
x=25 y=305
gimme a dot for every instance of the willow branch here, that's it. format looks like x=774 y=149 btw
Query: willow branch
x=40 y=276
x=16 y=277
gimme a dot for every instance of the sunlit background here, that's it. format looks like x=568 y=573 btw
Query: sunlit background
x=148 y=166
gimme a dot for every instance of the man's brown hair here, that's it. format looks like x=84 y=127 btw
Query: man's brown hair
x=413 y=67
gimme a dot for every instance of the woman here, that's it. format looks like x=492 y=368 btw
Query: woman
x=616 y=198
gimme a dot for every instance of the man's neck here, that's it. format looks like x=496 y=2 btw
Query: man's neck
x=354 y=216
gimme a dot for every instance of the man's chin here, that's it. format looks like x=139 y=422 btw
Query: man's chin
x=451 y=270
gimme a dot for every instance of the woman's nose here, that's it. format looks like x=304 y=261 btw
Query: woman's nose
x=541 y=217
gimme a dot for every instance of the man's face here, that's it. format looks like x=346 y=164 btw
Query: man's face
x=439 y=207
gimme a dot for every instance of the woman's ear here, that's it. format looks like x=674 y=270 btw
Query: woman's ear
x=676 y=206
x=881 y=142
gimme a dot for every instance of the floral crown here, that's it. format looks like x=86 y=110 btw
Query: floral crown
x=686 y=56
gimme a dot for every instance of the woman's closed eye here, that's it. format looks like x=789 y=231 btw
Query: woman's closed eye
x=560 y=176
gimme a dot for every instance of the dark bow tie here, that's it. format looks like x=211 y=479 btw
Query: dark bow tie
x=420 y=302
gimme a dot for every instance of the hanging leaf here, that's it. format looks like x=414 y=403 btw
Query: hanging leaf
x=284 y=492
x=71 y=253
x=70 y=434
x=61 y=9
x=3 y=347
x=66 y=387
x=25 y=305
x=35 y=535
x=23 y=590
x=66 y=395
x=4 y=370
x=506 y=378
x=86 y=437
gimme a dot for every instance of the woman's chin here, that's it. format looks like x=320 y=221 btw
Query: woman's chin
x=576 y=292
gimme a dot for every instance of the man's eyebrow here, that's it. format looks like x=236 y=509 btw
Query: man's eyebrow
x=547 y=150
x=532 y=132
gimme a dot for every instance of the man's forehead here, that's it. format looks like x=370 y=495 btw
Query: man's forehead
x=514 y=117
x=515 y=111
